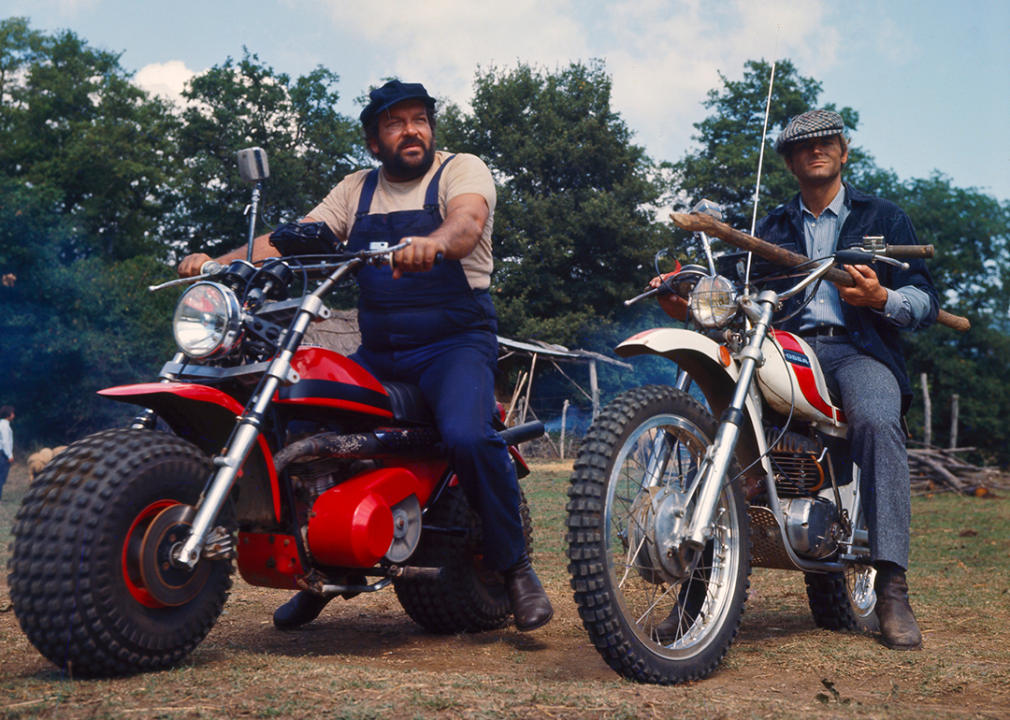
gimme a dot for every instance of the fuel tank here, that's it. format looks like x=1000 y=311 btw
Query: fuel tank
x=791 y=375
x=333 y=381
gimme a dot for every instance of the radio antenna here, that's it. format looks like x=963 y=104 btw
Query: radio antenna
x=761 y=156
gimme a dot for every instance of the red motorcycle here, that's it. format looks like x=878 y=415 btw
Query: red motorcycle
x=287 y=459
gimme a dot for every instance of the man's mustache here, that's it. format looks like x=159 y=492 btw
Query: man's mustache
x=410 y=143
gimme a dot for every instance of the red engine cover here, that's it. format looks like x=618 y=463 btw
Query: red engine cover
x=351 y=525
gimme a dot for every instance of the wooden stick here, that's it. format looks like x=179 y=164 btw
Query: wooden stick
x=695 y=222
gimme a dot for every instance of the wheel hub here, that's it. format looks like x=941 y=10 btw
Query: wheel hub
x=168 y=583
x=658 y=519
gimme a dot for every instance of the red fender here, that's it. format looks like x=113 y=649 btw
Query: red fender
x=205 y=416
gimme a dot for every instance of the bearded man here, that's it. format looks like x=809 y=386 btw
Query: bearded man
x=425 y=322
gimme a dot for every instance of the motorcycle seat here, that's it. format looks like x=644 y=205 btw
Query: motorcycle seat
x=408 y=404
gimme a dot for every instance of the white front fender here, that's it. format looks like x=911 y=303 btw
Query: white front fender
x=714 y=371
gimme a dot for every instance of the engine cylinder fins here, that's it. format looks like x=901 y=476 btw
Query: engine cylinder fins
x=799 y=466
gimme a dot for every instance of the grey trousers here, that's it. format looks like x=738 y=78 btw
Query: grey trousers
x=872 y=403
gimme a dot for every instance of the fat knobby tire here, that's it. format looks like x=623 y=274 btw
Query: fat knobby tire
x=469 y=598
x=66 y=573
x=599 y=605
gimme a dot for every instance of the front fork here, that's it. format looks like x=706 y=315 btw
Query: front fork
x=714 y=470
x=243 y=439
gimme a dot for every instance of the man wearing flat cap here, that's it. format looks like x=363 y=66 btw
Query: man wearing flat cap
x=429 y=323
x=855 y=333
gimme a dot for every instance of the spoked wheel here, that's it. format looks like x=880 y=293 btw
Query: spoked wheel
x=470 y=598
x=91 y=577
x=657 y=612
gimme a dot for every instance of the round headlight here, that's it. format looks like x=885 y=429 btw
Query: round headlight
x=207 y=321
x=713 y=301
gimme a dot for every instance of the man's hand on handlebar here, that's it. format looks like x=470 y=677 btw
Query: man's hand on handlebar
x=673 y=304
x=420 y=256
x=867 y=292
x=191 y=264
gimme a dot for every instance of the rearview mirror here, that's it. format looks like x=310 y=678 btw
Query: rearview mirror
x=253 y=165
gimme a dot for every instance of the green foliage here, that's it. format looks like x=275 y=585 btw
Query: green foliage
x=724 y=168
x=73 y=122
x=70 y=329
x=574 y=229
x=247 y=104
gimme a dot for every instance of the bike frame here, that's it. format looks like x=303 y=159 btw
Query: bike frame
x=728 y=384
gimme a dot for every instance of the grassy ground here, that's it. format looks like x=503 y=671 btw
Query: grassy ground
x=365 y=659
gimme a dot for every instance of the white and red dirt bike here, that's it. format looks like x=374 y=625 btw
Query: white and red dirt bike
x=670 y=507
x=284 y=458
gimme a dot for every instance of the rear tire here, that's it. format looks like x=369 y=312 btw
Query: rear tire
x=470 y=598
x=76 y=570
x=844 y=600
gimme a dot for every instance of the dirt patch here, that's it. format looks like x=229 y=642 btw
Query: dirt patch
x=365 y=659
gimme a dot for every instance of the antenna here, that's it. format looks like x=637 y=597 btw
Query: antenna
x=761 y=157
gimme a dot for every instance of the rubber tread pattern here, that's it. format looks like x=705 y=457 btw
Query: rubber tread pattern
x=599 y=612
x=470 y=599
x=65 y=572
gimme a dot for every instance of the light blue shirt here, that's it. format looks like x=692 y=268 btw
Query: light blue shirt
x=6 y=438
x=905 y=307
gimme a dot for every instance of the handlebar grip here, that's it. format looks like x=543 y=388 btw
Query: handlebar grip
x=210 y=267
x=909 y=252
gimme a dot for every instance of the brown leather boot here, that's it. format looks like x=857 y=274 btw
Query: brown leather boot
x=898 y=628
x=530 y=606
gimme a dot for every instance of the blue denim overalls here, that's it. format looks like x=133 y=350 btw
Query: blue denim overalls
x=432 y=330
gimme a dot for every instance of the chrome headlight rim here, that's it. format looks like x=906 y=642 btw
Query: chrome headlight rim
x=713 y=302
x=226 y=334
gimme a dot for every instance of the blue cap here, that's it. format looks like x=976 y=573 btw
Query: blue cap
x=392 y=93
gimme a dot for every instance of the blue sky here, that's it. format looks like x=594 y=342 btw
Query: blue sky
x=930 y=81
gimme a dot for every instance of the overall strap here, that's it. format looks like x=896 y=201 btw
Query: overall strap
x=431 y=194
x=367 y=191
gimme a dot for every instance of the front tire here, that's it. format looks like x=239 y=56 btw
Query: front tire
x=79 y=560
x=653 y=620
x=470 y=598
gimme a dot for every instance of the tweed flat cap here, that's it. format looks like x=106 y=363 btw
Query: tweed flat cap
x=816 y=123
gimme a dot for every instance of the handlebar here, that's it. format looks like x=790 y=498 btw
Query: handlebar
x=909 y=252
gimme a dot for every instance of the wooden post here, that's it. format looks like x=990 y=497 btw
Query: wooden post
x=529 y=388
x=927 y=411
x=955 y=401
x=564 y=415
x=594 y=388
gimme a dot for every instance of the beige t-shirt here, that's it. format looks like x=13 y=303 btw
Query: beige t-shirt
x=465 y=174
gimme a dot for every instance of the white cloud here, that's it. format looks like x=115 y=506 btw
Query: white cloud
x=166 y=80
x=664 y=55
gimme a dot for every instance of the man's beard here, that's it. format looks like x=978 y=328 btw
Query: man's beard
x=402 y=169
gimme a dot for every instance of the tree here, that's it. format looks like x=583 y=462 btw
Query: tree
x=575 y=231
x=724 y=168
x=309 y=145
x=73 y=121
x=71 y=328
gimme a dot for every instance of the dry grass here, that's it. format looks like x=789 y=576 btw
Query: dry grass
x=364 y=659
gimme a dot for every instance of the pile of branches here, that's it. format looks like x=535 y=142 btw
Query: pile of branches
x=937 y=470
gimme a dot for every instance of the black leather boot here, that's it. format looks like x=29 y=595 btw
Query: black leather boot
x=302 y=608
x=530 y=606
x=898 y=628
